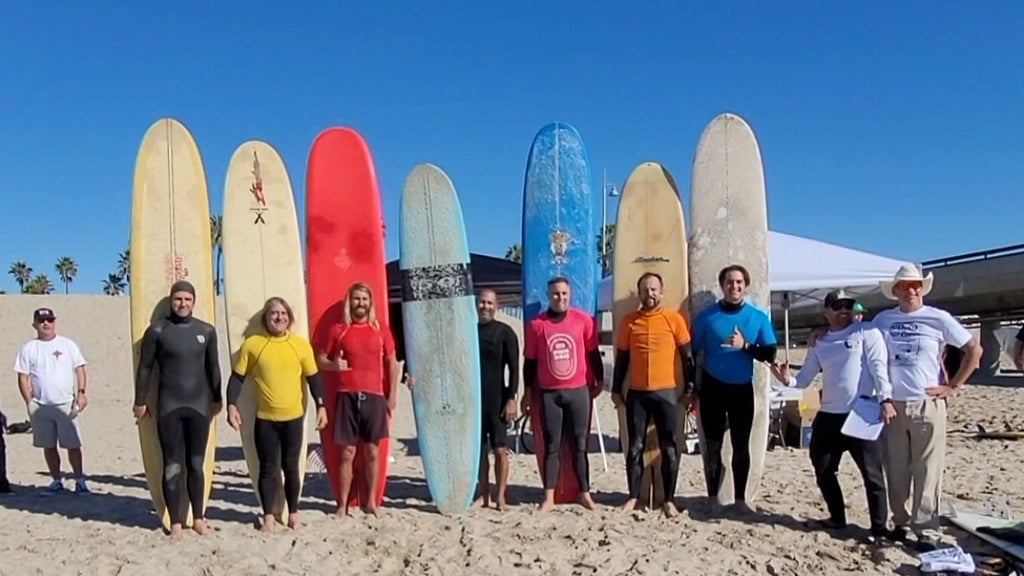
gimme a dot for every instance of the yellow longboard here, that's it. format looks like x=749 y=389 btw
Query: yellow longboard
x=170 y=241
x=262 y=258
x=650 y=236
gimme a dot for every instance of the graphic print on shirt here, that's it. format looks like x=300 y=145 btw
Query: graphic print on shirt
x=561 y=356
x=904 y=343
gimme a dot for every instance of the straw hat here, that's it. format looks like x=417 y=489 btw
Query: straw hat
x=907 y=273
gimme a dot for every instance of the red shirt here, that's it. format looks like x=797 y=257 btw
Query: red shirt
x=560 y=348
x=365 y=350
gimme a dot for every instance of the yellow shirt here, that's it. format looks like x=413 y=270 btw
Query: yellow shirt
x=277 y=365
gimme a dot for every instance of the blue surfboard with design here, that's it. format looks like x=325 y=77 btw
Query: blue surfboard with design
x=559 y=239
x=441 y=343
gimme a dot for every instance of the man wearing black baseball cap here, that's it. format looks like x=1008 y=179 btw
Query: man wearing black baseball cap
x=853 y=360
x=52 y=380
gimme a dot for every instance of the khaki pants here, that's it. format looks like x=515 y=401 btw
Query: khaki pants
x=915 y=453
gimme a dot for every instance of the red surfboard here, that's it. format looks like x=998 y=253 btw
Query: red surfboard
x=344 y=245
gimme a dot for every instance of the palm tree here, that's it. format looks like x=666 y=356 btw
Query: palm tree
x=114 y=285
x=514 y=253
x=215 y=240
x=66 y=269
x=124 y=266
x=39 y=284
x=22 y=273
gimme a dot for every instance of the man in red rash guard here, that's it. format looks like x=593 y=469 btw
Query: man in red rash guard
x=363 y=350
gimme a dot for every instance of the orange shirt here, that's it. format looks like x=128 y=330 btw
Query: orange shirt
x=652 y=338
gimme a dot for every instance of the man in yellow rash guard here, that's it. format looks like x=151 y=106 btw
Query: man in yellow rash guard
x=277 y=360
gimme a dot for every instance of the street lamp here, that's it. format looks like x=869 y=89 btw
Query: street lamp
x=608 y=190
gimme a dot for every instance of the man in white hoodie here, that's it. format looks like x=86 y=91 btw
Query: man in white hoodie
x=852 y=359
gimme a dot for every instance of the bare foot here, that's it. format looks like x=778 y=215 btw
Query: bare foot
x=176 y=532
x=670 y=510
x=547 y=504
x=502 y=505
x=341 y=512
x=269 y=523
x=629 y=506
x=481 y=502
x=741 y=507
x=371 y=511
x=293 y=521
x=587 y=502
x=200 y=526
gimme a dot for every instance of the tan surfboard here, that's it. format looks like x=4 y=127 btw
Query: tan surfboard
x=650 y=236
x=262 y=258
x=170 y=241
x=729 y=223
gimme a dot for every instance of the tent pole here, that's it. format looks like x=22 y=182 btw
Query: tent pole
x=785 y=319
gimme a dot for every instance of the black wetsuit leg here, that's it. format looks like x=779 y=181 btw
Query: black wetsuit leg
x=726 y=405
x=268 y=452
x=183 y=436
x=278 y=445
x=566 y=411
x=291 y=448
x=662 y=407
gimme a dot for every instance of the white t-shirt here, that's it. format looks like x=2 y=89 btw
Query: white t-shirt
x=915 y=341
x=51 y=366
x=852 y=362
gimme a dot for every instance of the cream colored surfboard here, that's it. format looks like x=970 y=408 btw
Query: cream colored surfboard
x=170 y=241
x=650 y=236
x=262 y=258
x=729 y=223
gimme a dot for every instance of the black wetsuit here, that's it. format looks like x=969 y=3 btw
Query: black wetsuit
x=565 y=410
x=499 y=348
x=185 y=350
x=5 y=486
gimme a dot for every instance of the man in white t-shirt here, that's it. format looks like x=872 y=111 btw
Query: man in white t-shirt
x=915 y=441
x=52 y=379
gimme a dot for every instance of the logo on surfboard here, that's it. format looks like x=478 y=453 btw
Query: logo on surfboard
x=560 y=246
x=650 y=259
x=174 y=267
x=256 y=189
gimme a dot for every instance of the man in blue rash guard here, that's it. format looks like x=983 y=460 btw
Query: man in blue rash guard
x=730 y=335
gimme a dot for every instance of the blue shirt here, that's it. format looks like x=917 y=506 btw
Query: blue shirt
x=713 y=327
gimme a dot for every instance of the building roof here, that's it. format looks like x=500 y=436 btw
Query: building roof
x=501 y=275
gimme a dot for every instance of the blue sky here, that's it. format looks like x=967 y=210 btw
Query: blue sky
x=894 y=128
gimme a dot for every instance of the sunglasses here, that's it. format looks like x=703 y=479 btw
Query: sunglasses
x=842 y=305
x=47 y=320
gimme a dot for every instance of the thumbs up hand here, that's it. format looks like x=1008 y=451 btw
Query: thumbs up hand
x=735 y=340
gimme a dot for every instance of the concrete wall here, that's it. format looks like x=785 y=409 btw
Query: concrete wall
x=101 y=327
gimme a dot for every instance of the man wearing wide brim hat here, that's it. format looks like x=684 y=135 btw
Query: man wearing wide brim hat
x=915 y=440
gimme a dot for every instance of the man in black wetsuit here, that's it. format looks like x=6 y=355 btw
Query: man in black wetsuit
x=499 y=348
x=188 y=397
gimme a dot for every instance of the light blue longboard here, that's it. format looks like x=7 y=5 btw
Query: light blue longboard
x=559 y=239
x=442 y=347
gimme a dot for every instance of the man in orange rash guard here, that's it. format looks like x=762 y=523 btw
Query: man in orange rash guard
x=646 y=348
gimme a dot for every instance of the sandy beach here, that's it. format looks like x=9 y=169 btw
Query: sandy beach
x=113 y=530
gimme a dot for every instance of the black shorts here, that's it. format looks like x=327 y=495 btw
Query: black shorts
x=360 y=417
x=494 y=430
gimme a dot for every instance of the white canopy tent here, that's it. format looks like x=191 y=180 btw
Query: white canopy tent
x=803 y=270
